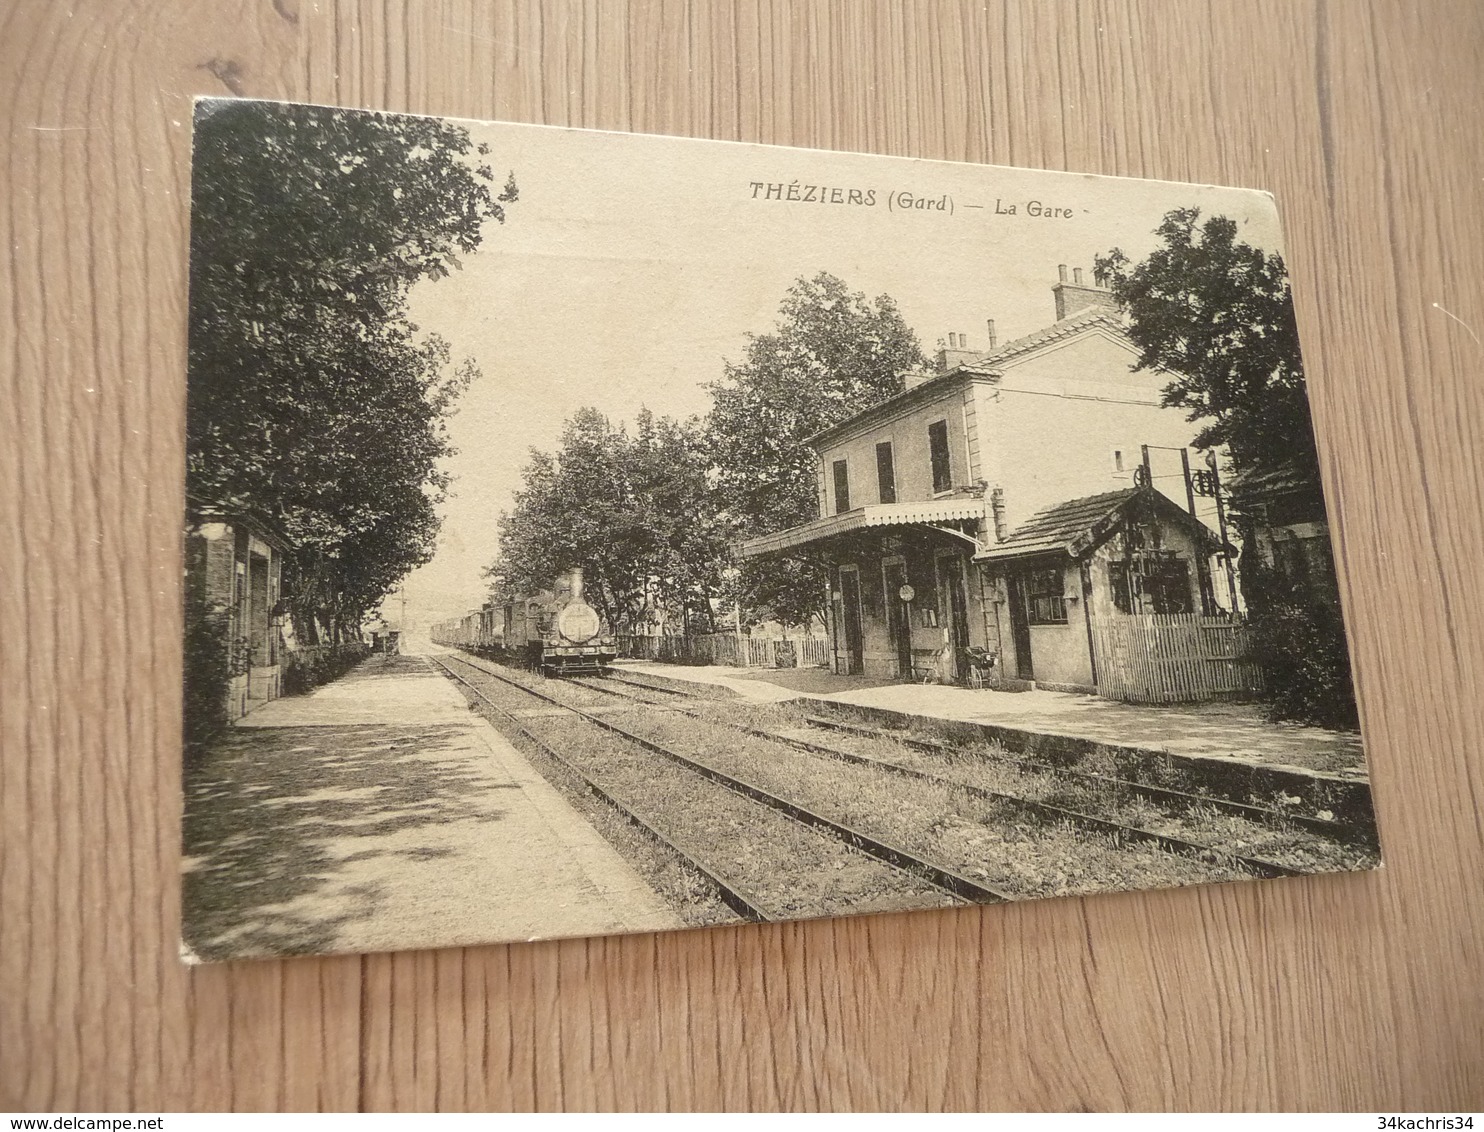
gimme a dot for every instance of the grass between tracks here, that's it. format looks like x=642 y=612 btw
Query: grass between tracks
x=989 y=766
x=789 y=870
x=995 y=842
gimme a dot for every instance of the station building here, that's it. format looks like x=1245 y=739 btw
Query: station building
x=986 y=518
x=234 y=567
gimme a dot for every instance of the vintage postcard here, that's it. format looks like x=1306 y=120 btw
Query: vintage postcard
x=593 y=533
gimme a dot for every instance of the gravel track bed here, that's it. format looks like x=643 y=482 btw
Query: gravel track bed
x=989 y=767
x=684 y=690
x=987 y=840
x=991 y=841
x=791 y=870
x=692 y=896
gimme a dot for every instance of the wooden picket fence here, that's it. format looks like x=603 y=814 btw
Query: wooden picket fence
x=1166 y=658
x=722 y=648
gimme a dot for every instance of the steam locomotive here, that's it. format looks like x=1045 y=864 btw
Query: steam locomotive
x=555 y=631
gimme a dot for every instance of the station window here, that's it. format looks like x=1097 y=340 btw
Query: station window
x=1155 y=582
x=842 y=486
x=938 y=449
x=886 y=477
x=1044 y=602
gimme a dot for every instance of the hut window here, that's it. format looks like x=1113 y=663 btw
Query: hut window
x=1044 y=602
x=1154 y=582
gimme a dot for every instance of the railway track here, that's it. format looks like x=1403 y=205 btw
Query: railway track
x=1121 y=831
x=1164 y=795
x=950 y=885
x=1263 y=815
x=648 y=687
x=744 y=905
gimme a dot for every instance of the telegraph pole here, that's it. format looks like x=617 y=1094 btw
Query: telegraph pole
x=1231 y=570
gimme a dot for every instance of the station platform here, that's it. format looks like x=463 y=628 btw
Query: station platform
x=378 y=813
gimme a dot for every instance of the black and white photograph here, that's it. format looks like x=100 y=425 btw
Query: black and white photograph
x=592 y=533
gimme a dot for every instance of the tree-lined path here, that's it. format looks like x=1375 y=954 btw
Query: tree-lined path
x=379 y=812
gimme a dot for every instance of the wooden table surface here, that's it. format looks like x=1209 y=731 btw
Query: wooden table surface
x=1336 y=992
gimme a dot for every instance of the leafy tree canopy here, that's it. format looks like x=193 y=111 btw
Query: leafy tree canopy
x=833 y=353
x=313 y=397
x=633 y=510
x=1216 y=315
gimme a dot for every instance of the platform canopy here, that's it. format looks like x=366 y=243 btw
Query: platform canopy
x=829 y=527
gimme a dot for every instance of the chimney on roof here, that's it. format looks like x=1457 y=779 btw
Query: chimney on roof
x=955 y=354
x=1077 y=297
x=993 y=341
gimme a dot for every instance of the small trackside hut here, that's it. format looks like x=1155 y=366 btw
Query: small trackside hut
x=1112 y=594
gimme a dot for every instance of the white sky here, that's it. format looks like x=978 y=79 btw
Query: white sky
x=632 y=265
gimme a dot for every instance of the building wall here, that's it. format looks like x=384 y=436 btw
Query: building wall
x=1172 y=537
x=219 y=553
x=928 y=614
x=911 y=456
x=1052 y=426
x=1060 y=654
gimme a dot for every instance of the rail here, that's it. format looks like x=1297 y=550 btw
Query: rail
x=946 y=880
x=1179 y=846
x=726 y=648
x=744 y=906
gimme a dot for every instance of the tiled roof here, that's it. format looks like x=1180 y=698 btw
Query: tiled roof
x=876 y=515
x=1288 y=478
x=1057 y=528
x=1056 y=331
x=934 y=386
x=1079 y=525
x=985 y=366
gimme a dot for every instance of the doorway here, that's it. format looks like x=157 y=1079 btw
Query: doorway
x=1020 y=628
x=951 y=585
x=898 y=615
x=850 y=619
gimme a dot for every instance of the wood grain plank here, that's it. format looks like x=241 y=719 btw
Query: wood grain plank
x=1326 y=992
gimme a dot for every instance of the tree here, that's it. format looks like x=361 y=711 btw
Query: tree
x=313 y=398
x=1216 y=316
x=633 y=511
x=669 y=469
x=832 y=354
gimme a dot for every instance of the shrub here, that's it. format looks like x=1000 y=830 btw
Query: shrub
x=308 y=668
x=1299 y=640
x=207 y=676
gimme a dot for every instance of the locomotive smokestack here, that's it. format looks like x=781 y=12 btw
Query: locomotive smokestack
x=577 y=583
